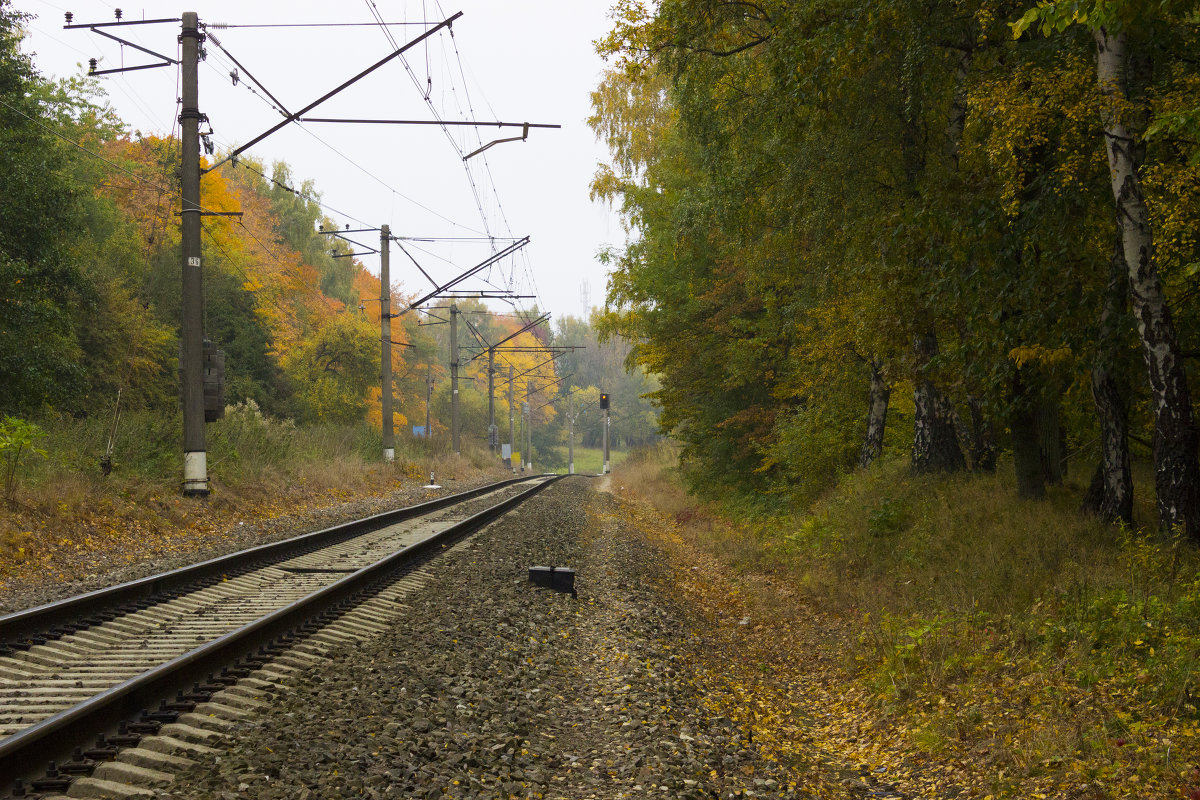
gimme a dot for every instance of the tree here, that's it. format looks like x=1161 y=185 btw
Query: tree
x=42 y=292
x=1122 y=63
x=335 y=370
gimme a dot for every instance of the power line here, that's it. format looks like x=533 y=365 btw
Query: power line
x=91 y=153
x=279 y=108
x=385 y=185
x=487 y=164
x=250 y=281
x=224 y=25
x=433 y=109
x=301 y=194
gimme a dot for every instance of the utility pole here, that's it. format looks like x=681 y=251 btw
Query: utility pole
x=454 y=377
x=529 y=427
x=571 y=433
x=604 y=401
x=493 y=432
x=385 y=337
x=195 y=457
x=512 y=442
x=428 y=403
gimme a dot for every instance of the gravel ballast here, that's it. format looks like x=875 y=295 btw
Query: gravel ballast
x=492 y=687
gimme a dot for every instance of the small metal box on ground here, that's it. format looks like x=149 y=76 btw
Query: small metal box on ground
x=560 y=579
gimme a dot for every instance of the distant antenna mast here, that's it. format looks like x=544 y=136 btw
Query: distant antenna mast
x=585 y=296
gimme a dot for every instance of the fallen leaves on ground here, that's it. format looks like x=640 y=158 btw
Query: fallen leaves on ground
x=790 y=674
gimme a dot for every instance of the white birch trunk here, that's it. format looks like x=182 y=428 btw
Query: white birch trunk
x=877 y=408
x=1176 y=472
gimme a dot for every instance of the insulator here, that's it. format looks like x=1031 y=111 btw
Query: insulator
x=69 y=17
x=91 y=65
x=117 y=11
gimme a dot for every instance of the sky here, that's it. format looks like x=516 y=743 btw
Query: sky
x=508 y=60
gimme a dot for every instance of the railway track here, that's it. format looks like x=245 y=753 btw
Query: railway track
x=162 y=664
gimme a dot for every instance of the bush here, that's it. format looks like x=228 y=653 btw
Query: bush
x=17 y=441
x=889 y=517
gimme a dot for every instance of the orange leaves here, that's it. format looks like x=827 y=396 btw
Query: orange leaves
x=151 y=202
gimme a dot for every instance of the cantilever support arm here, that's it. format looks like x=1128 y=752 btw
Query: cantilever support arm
x=290 y=118
x=512 y=248
x=538 y=321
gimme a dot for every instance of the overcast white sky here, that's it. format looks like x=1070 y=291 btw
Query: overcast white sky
x=521 y=61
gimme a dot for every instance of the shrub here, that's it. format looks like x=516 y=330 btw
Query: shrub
x=17 y=440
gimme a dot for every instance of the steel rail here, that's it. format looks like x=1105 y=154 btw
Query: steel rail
x=20 y=625
x=54 y=738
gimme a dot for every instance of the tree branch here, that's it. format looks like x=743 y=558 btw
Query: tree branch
x=755 y=42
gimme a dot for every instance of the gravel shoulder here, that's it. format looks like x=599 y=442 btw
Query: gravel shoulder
x=495 y=688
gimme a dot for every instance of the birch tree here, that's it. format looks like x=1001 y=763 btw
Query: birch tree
x=1116 y=28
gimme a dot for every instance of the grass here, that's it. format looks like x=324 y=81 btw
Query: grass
x=589 y=460
x=1055 y=644
x=258 y=466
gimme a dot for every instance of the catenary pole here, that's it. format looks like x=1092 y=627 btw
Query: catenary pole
x=571 y=433
x=512 y=442
x=454 y=377
x=385 y=337
x=529 y=427
x=195 y=457
x=493 y=433
x=428 y=403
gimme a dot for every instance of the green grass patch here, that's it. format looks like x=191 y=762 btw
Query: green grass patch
x=589 y=460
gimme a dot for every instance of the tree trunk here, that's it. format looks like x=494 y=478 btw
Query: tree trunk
x=1176 y=469
x=1027 y=457
x=877 y=408
x=983 y=440
x=935 y=440
x=935 y=443
x=1110 y=495
x=1051 y=449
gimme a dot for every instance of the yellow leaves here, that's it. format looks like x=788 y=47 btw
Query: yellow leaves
x=1037 y=354
x=1016 y=112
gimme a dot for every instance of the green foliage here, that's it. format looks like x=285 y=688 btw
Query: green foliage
x=808 y=189
x=604 y=364
x=252 y=375
x=249 y=441
x=18 y=440
x=333 y=370
x=299 y=216
x=957 y=583
x=42 y=293
x=1145 y=625
x=888 y=518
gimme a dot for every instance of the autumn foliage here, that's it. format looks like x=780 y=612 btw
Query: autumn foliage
x=965 y=234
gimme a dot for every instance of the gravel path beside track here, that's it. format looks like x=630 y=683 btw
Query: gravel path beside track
x=495 y=688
